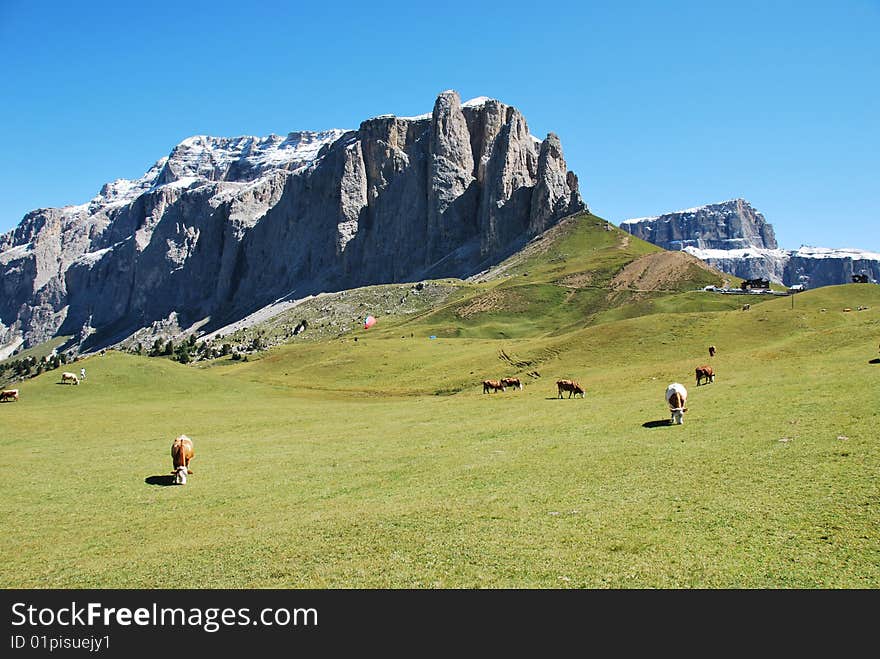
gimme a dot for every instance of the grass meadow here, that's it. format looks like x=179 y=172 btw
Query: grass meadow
x=380 y=462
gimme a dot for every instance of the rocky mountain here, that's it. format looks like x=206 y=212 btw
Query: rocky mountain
x=727 y=225
x=735 y=238
x=223 y=226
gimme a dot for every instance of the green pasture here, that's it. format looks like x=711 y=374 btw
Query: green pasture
x=380 y=462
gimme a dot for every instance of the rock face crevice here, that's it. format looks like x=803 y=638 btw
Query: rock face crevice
x=224 y=226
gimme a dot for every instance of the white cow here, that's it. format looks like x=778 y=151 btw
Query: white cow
x=676 y=398
x=69 y=377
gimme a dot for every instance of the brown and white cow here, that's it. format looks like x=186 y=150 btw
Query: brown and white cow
x=706 y=373
x=512 y=382
x=493 y=386
x=676 y=398
x=67 y=376
x=8 y=394
x=181 y=453
x=570 y=386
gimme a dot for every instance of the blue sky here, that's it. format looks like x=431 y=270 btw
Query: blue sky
x=659 y=105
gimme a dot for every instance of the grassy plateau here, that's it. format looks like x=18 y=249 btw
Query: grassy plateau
x=379 y=462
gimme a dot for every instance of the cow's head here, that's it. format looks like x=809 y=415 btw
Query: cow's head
x=678 y=415
x=180 y=475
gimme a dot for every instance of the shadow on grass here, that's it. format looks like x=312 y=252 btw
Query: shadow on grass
x=875 y=361
x=164 y=480
x=660 y=423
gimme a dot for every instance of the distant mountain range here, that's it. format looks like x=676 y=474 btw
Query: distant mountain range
x=735 y=238
x=222 y=227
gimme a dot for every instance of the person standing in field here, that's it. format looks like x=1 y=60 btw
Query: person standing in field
x=82 y=373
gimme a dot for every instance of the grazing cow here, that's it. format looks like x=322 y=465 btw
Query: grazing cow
x=512 y=382
x=67 y=376
x=8 y=394
x=706 y=373
x=711 y=351
x=746 y=307
x=676 y=398
x=570 y=386
x=847 y=309
x=181 y=453
x=493 y=385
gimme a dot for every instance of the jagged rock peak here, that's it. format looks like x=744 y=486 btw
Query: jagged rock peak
x=203 y=158
x=243 y=158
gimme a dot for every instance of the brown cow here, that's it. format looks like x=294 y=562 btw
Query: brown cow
x=570 y=386
x=181 y=453
x=706 y=373
x=676 y=398
x=493 y=385
x=8 y=394
x=512 y=382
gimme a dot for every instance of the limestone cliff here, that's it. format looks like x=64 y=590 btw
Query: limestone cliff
x=223 y=226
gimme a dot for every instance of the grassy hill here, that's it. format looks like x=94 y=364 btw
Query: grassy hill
x=332 y=462
x=583 y=271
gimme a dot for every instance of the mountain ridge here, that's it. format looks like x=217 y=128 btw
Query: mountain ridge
x=223 y=226
x=737 y=239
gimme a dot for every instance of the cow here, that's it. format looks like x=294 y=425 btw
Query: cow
x=493 y=385
x=706 y=373
x=570 y=386
x=512 y=382
x=8 y=394
x=676 y=398
x=746 y=307
x=711 y=351
x=67 y=376
x=181 y=453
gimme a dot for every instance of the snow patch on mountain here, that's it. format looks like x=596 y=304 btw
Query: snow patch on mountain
x=90 y=258
x=807 y=252
x=747 y=253
x=17 y=252
x=685 y=211
x=477 y=102
x=203 y=158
